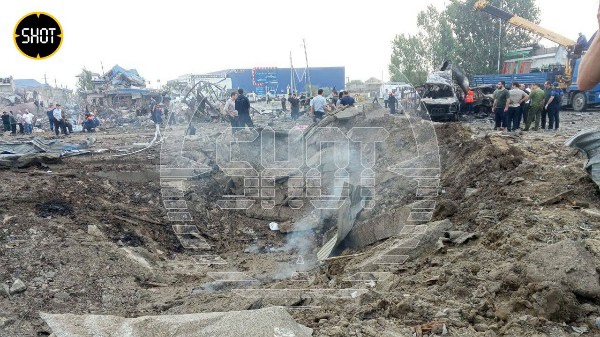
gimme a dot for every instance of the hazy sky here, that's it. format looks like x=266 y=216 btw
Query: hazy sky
x=165 y=39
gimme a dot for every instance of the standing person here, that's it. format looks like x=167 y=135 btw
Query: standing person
x=581 y=43
x=547 y=93
x=525 y=105
x=536 y=106
x=242 y=105
x=6 y=121
x=20 y=122
x=230 y=111
x=347 y=99
x=171 y=118
x=317 y=106
x=333 y=98
x=553 y=107
x=500 y=107
x=375 y=98
x=50 y=114
x=13 y=123
x=516 y=97
x=386 y=97
x=392 y=101
x=338 y=99
x=58 y=121
x=157 y=113
x=283 y=105
x=152 y=104
x=28 y=121
x=294 y=106
x=469 y=101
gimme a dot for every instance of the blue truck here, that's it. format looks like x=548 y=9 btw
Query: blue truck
x=574 y=98
x=567 y=78
x=580 y=100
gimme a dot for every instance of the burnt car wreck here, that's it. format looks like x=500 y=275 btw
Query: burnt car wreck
x=443 y=93
x=484 y=100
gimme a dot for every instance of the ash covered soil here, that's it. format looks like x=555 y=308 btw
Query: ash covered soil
x=90 y=235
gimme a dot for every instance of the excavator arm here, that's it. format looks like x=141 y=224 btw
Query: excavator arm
x=484 y=6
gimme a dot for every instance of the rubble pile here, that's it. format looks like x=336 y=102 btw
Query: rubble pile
x=365 y=224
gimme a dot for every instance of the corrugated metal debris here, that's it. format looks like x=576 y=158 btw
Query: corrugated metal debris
x=24 y=153
x=588 y=141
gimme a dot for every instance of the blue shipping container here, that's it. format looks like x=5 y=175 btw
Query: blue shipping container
x=279 y=79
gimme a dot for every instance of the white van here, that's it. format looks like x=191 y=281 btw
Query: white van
x=386 y=89
x=252 y=97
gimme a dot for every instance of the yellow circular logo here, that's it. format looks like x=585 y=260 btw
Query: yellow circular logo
x=38 y=35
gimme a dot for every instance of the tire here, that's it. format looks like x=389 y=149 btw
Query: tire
x=579 y=102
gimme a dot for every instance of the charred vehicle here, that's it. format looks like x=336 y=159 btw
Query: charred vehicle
x=443 y=93
x=484 y=100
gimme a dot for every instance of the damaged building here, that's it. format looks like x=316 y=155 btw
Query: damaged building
x=16 y=91
x=118 y=88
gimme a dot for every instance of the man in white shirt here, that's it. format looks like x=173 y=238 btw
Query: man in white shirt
x=20 y=122
x=58 y=120
x=230 y=112
x=516 y=97
x=317 y=106
x=28 y=121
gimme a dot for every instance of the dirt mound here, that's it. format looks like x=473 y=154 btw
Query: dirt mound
x=444 y=249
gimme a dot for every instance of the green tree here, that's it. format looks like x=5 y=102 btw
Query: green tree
x=438 y=38
x=84 y=82
x=408 y=61
x=477 y=33
x=465 y=37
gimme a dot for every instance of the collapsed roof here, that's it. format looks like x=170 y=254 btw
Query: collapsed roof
x=119 y=76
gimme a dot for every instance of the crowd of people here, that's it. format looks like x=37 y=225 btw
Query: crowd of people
x=237 y=108
x=528 y=105
x=58 y=121
x=24 y=121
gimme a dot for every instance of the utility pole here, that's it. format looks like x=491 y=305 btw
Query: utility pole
x=307 y=68
x=500 y=38
x=292 y=84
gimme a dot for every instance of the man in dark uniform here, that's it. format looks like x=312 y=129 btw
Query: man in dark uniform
x=242 y=105
x=283 y=106
x=547 y=93
x=294 y=106
x=392 y=101
x=6 y=121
